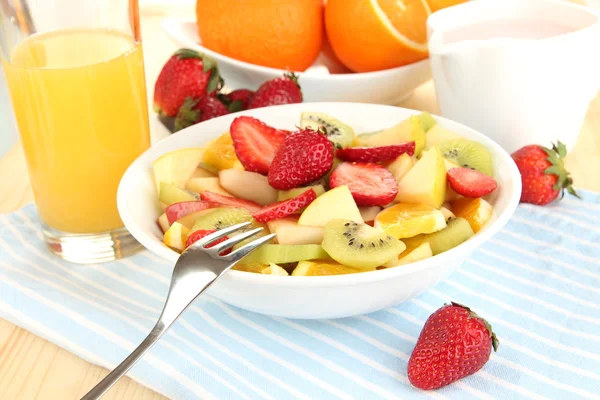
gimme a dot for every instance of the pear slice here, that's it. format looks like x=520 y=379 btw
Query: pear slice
x=334 y=204
x=425 y=183
x=248 y=186
x=400 y=166
x=176 y=167
x=199 y=185
x=289 y=232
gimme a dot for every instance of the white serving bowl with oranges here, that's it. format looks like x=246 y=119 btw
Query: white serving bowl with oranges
x=315 y=296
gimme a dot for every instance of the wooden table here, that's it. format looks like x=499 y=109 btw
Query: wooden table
x=32 y=368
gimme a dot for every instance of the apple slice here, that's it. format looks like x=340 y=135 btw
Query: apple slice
x=179 y=210
x=202 y=173
x=248 y=185
x=408 y=130
x=400 y=166
x=228 y=201
x=176 y=236
x=334 y=204
x=289 y=232
x=420 y=253
x=169 y=194
x=176 y=167
x=368 y=214
x=199 y=185
x=189 y=220
x=425 y=183
x=290 y=194
x=163 y=223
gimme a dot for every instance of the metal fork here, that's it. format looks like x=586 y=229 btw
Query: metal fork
x=196 y=269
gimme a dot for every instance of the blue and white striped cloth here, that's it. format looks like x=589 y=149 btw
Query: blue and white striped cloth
x=537 y=282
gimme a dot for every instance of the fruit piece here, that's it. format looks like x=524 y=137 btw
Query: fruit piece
x=248 y=185
x=219 y=154
x=425 y=183
x=237 y=100
x=200 y=233
x=338 y=132
x=303 y=157
x=400 y=166
x=202 y=173
x=290 y=194
x=376 y=154
x=169 y=194
x=285 y=253
x=228 y=201
x=255 y=143
x=254 y=267
x=409 y=130
x=377 y=35
x=179 y=210
x=284 y=208
x=282 y=90
x=476 y=211
x=543 y=173
x=370 y=184
x=163 y=223
x=454 y=343
x=368 y=214
x=194 y=110
x=176 y=236
x=407 y=220
x=468 y=154
x=334 y=204
x=274 y=269
x=289 y=232
x=456 y=232
x=447 y=213
x=438 y=134
x=420 y=253
x=470 y=183
x=199 y=185
x=283 y=34
x=186 y=74
x=324 y=268
x=220 y=218
x=189 y=220
x=176 y=167
x=435 y=5
x=359 y=245
x=427 y=121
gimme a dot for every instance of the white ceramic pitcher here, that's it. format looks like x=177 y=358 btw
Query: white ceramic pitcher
x=533 y=87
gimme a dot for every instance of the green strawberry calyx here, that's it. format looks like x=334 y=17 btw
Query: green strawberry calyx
x=187 y=115
x=556 y=157
x=473 y=314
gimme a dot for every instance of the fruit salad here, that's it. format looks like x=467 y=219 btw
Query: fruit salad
x=338 y=202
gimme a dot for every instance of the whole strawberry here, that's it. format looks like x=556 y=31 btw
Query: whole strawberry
x=186 y=74
x=304 y=156
x=543 y=173
x=237 y=100
x=454 y=343
x=197 y=110
x=284 y=90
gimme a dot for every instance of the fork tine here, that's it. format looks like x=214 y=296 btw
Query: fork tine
x=219 y=234
x=247 y=249
x=234 y=240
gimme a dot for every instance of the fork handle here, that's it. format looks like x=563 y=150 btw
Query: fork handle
x=116 y=374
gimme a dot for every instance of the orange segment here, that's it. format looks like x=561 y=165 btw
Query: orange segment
x=323 y=268
x=406 y=220
x=220 y=154
x=476 y=211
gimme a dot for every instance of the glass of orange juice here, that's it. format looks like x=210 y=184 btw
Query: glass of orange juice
x=75 y=74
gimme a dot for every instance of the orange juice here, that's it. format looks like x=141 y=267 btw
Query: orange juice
x=80 y=102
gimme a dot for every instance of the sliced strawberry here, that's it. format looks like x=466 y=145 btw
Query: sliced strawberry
x=179 y=210
x=470 y=183
x=375 y=154
x=228 y=201
x=200 y=233
x=255 y=143
x=286 y=207
x=370 y=184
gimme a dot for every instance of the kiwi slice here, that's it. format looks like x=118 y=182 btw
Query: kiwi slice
x=427 y=121
x=456 y=232
x=292 y=193
x=359 y=245
x=285 y=253
x=468 y=154
x=170 y=194
x=224 y=217
x=338 y=132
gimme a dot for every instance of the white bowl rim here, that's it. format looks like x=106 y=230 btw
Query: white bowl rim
x=514 y=194
x=168 y=23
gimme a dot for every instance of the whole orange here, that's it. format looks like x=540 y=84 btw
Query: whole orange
x=285 y=34
x=439 y=4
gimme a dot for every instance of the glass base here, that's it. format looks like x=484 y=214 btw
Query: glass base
x=90 y=248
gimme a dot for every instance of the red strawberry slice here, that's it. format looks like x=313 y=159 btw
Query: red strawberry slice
x=470 y=183
x=227 y=201
x=304 y=157
x=375 y=154
x=255 y=143
x=286 y=207
x=370 y=184
x=200 y=233
x=179 y=210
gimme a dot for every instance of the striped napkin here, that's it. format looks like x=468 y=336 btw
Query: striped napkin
x=537 y=282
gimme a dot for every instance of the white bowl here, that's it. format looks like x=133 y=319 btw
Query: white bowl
x=325 y=80
x=322 y=296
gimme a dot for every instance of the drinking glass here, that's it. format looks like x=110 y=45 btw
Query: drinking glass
x=75 y=73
